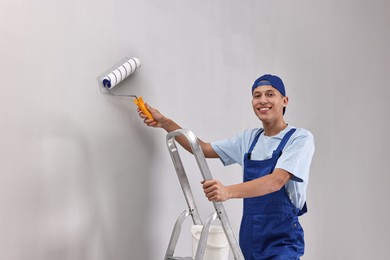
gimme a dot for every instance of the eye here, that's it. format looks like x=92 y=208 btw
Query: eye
x=256 y=96
x=270 y=94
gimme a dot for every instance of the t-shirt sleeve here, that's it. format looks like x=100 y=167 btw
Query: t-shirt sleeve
x=232 y=150
x=229 y=150
x=297 y=155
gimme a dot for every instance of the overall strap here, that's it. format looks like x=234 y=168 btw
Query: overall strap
x=278 y=153
x=255 y=140
x=286 y=137
x=249 y=153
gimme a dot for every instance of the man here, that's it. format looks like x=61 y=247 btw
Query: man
x=276 y=161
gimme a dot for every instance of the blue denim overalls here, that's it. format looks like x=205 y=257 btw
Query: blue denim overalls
x=269 y=226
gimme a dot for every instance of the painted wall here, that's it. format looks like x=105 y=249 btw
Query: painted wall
x=82 y=178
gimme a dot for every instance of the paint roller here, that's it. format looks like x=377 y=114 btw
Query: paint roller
x=121 y=71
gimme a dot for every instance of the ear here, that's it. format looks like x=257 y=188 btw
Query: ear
x=285 y=101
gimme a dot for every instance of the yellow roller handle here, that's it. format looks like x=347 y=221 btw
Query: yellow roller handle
x=141 y=104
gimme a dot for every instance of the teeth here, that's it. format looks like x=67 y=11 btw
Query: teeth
x=264 y=108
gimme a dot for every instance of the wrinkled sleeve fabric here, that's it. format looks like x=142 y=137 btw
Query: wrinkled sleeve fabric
x=232 y=150
x=297 y=155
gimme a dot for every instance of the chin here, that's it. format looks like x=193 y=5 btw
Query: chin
x=266 y=118
x=263 y=117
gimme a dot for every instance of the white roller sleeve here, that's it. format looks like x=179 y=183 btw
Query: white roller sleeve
x=120 y=73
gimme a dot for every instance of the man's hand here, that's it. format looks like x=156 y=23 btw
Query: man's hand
x=215 y=191
x=157 y=117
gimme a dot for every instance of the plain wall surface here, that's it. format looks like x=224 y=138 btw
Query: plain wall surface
x=83 y=179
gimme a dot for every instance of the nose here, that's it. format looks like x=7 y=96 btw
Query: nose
x=263 y=100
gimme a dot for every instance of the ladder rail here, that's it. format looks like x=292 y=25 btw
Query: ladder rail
x=201 y=250
x=184 y=183
x=175 y=234
x=206 y=174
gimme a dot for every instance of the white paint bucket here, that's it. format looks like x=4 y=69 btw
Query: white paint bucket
x=217 y=247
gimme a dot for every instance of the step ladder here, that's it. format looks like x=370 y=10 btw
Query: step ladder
x=192 y=210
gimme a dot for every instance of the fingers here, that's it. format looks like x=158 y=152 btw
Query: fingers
x=214 y=190
x=208 y=184
x=147 y=121
x=151 y=109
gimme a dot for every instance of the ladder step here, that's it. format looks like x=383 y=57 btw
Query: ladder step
x=180 y=258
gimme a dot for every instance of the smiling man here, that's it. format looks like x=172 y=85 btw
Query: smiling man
x=276 y=160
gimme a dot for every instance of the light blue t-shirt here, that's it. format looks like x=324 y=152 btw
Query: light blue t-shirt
x=296 y=157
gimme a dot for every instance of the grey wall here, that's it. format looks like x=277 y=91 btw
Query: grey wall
x=82 y=178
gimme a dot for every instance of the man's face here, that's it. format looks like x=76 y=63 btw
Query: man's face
x=268 y=103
